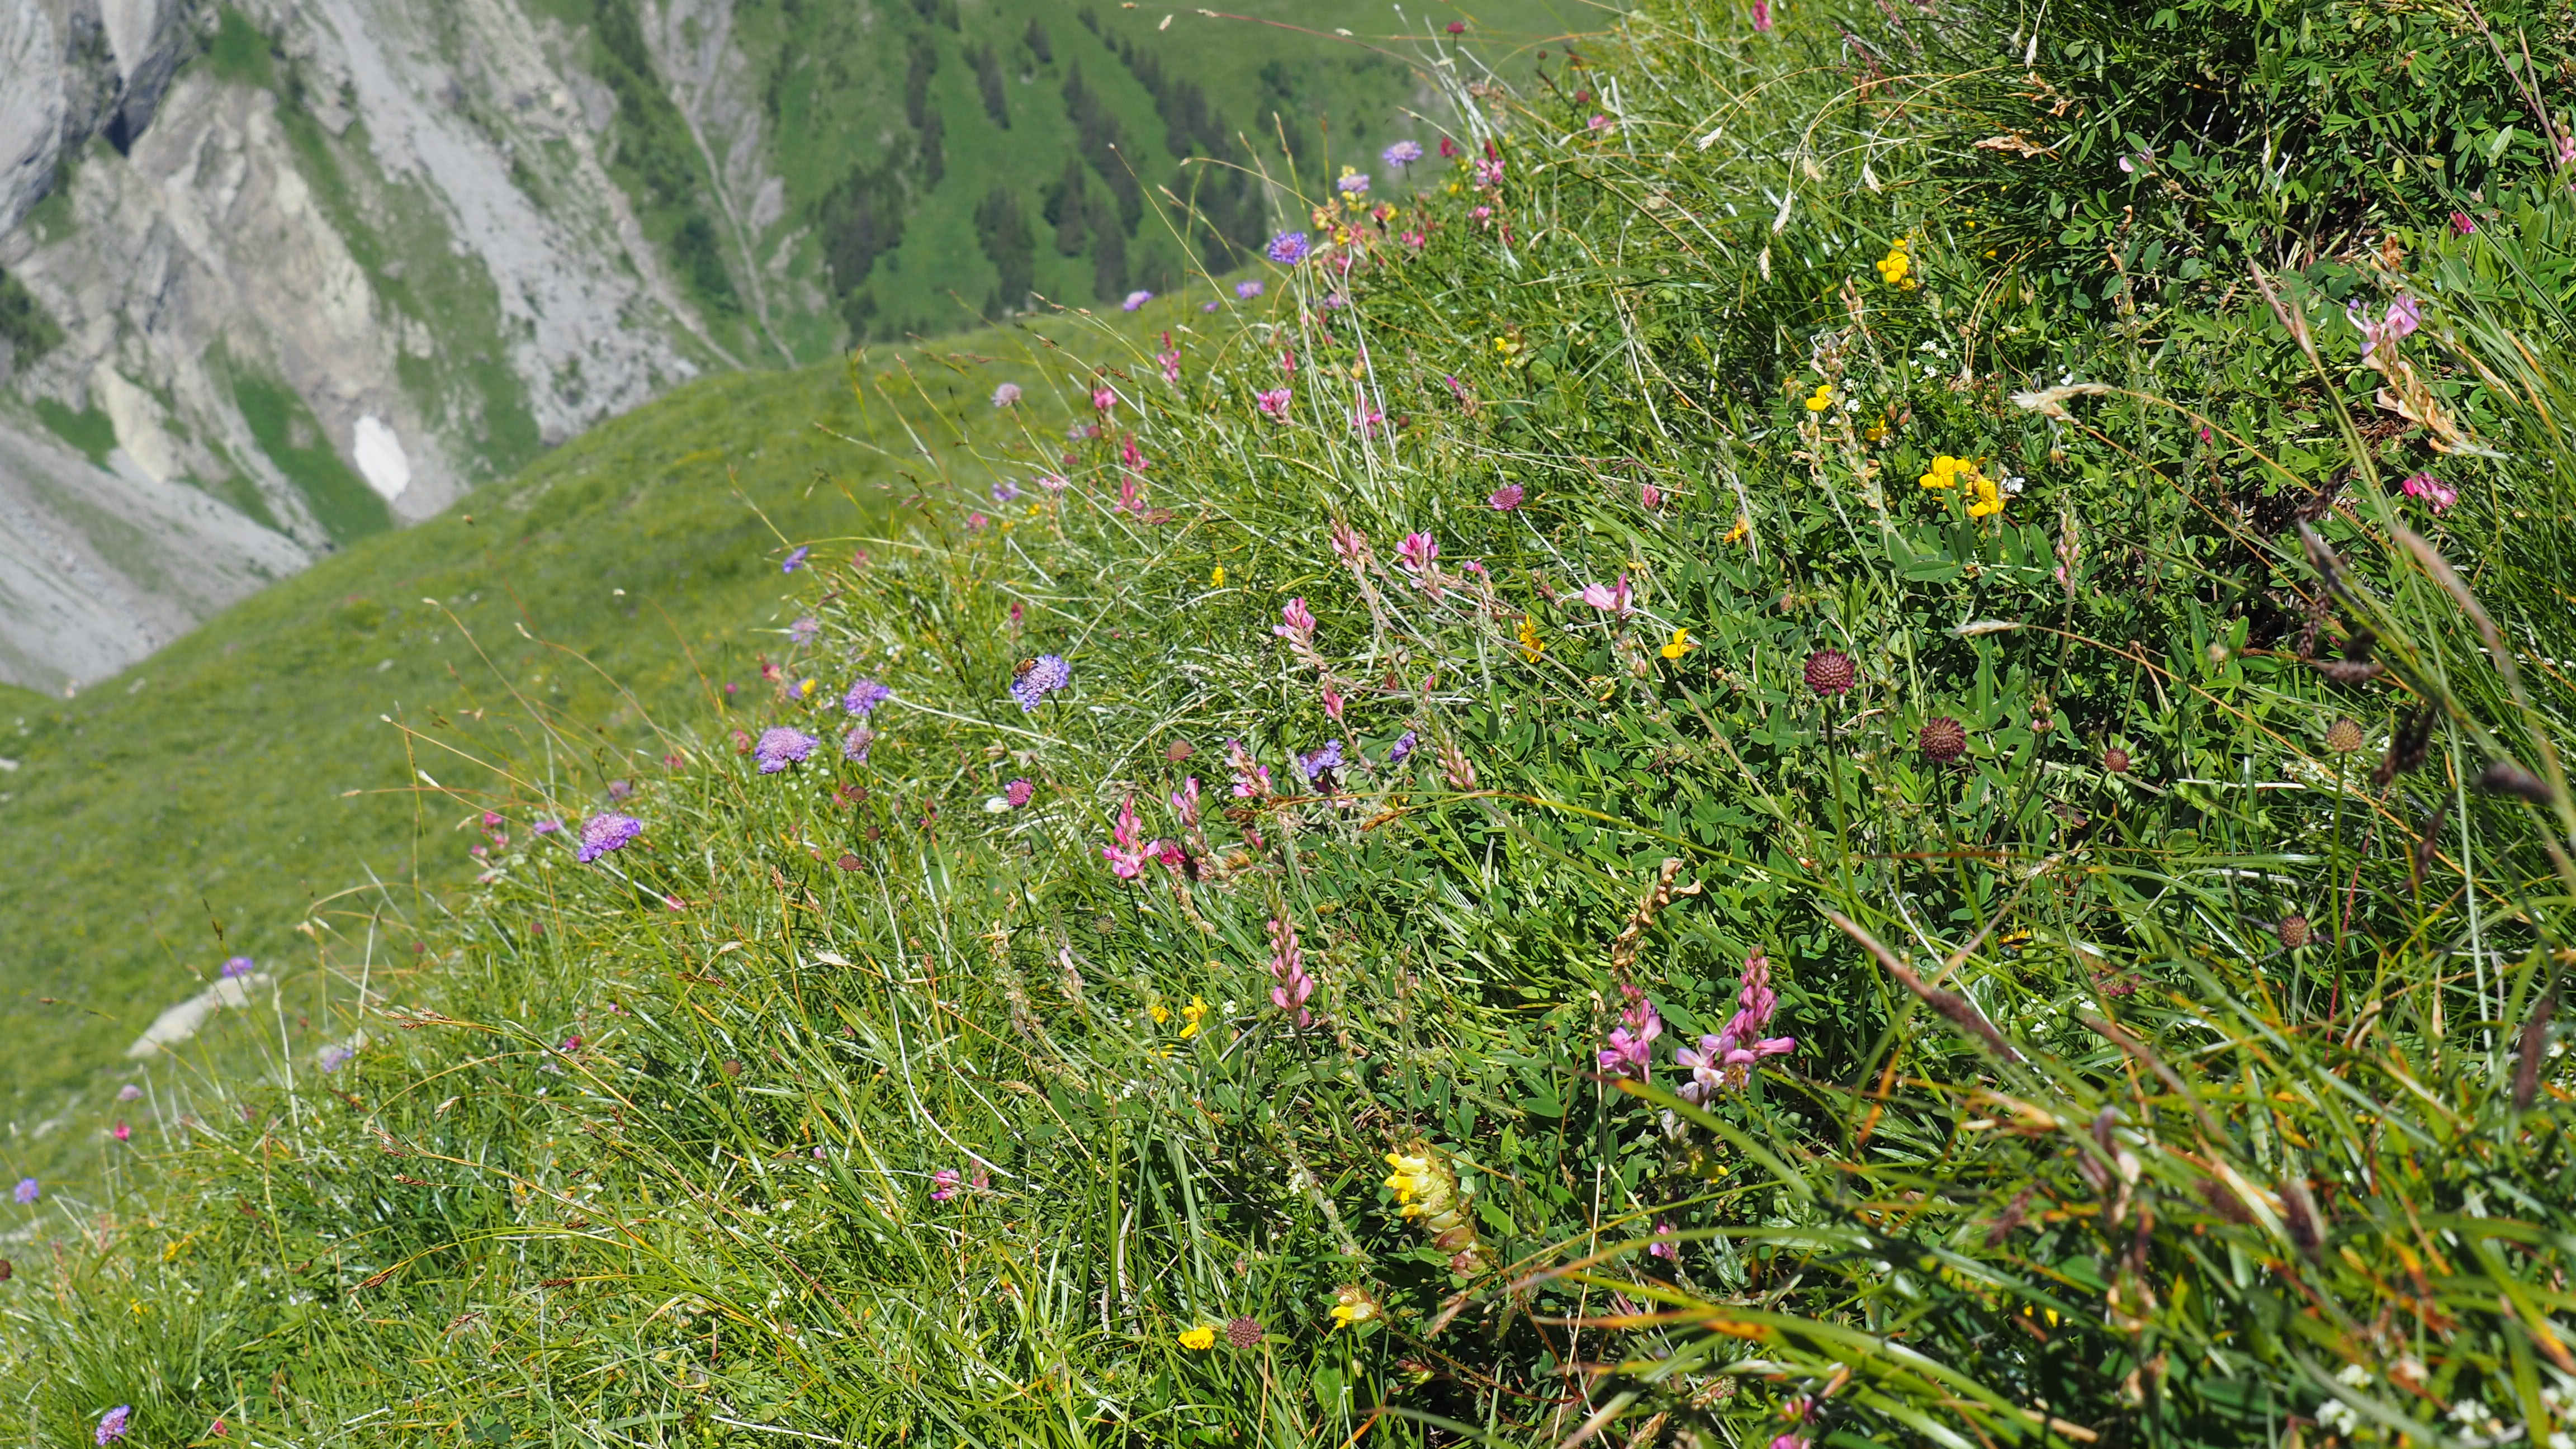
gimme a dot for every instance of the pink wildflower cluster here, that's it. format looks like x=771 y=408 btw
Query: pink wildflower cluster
x=1630 y=1052
x=1727 y=1059
x=1126 y=855
x=2403 y=317
x=1274 y=403
x=1251 y=780
x=1288 y=968
x=2432 y=490
x=1297 y=626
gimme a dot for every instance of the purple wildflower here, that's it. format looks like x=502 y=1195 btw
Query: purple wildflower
x=1019 y=792
x=1249 y=290
x=781 y=747
x=1314 y=763
x=112 y=1427
x=1005 y=491
x=804 y=630
x=1505 y=498
x=333 y=1058
x=1401 y=154
x=1273 y=401
x=238 y=966
x=1630 y=1052
x=1038 y=678
x=864 y=696
x=28 y=1191
x=1136 y=299
x=795 y=560
x=601 y=834
x=943 y=1184
x=1210 y=305
x=1662 y=1246
x=1288 y=248
x=1402 y=749
x=620 y=789
x=1005 y=395
x=1352 y=183
x=547 y=827
x=129 y=1093
x=1727 y=1059
x=854 y=745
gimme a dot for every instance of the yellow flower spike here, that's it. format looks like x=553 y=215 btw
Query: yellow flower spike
x=1191 y=1016
x=1681 y=644
x=1201 y=1338
x=1822 y=398
x=1216 y=577
x=1530 y=645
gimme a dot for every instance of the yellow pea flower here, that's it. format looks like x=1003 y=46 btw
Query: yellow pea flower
x=1216 y=577
x=1681 y=644
x=1191 y=1016
x=1893 y=267
x=1530 y=644
x=1161 y=1013
x=1822 y=398
x=1201 y=1338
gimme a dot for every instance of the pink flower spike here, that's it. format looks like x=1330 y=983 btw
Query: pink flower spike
x=1762 y=22
x=1104 y=397
x=1274 y=402
x=122 y=1132
x=943 y=1184
x=1332 y=702
x=2461 y=223
x=1418 y=552
x=1171 y=364
x=1296 y=620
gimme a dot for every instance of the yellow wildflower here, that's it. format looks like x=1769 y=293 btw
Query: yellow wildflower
x=1743 y=529
x=1874 y=433
x=1896 y=267
x=1530 y=645
x=1506 y=347
x=1352 y=1306
x=1681 y=644
x=1161 y=1013
x=1946 y=471
x=1201 y=1338
x=1191 y=1016
x=1216 y=577
x=1983 y=496
x=1822 y=398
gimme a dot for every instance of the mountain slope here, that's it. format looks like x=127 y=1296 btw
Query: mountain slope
x=332 y=262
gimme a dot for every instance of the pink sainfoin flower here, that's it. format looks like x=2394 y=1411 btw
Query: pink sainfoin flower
x=122 y=1132
x=2461 y=223
x=2404 y=316
x=1366 y=419
x=1274 y=402
x=1171 y=365
x=1614 y=600
x=1662 y=1246
x=1762 y=16
x=1297 y=626
x=1288 y=968
x=1333 y=701
x=2432 y=490
x=1130 y=456
x=1489 y=171
x=1104 y=397
x=1727 y=1059
x=1419 y=553
x=2567 y=150
x=1650 y=497
x=1127 y=856
x=1350 y=546
x=1251 y=780
x=1505 y=498
x=1131 y=494
x=943 y=1184
x=1054 y=482
x=1185 y=803
x=1169 y=852
x=1630 y=1052
x=1598 y=123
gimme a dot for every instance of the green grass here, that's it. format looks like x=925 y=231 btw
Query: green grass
x=2157 y=1071
x=341 y=501
x=89 y=431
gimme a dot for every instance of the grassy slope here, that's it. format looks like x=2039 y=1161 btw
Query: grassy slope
x=210 y=784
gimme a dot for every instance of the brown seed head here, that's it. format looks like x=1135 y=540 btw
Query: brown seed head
x=1943 y=740
x=848 y=861
x=1243 y=1332
x=1179 y=750
x=2115 y=760
x=2344 y=737
x=1829 y=672
x=2295 y=932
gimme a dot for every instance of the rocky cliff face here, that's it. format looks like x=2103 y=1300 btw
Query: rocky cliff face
x=289 y=273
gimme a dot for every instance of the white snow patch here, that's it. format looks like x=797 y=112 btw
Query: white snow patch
x=380 y=456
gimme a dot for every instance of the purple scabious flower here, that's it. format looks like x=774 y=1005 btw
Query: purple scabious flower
x=28 y=1191
x=795 y=560
x=112 y=1427
x=1005 y=395
x=1317 y=762
x=854 y=745
x=1402 y=749
x=1136 y=299
x=129 y=1093
x=805 y=629
x=1037 y=678
x=238 y=966
x=547 y=827
x=1401 y=154
x=1352 y=183
x=1005 y=491
x=1288 y=248
x=1249 y=290
x=1019 y=792
x=781 y=747
x=864 y=696
x=601 y=834
x=333 y=1058
x=1210 y=306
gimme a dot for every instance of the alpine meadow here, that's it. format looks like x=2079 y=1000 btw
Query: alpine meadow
x=1804 y=724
